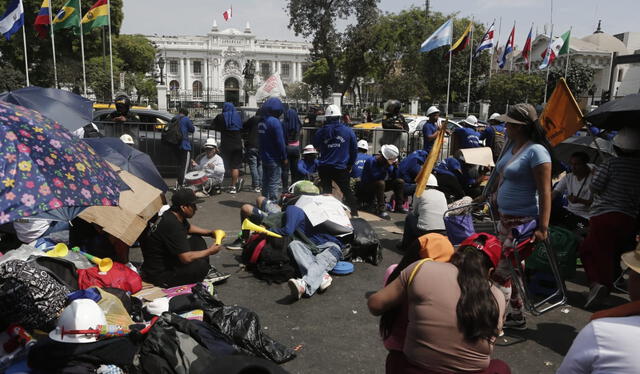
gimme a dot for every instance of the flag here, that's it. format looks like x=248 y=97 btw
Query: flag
x=430 y=162
x=97 y=16
x=562 y=116
x=41 y=25
x=508 y=48
x=463 y=41
x=442 y=36
x=12 y=19
x=558 y=47
x=68 y=17
x=527 y=47
x=487 y=40
x=272 y=87
x=228 y=13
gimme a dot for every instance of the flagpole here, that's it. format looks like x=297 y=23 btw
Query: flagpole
x=110 y=51
x=513 y=52
x=26 y=59
x=566 y=67
x=497 y=41
x=84 y=73
x=470 y=65
x=546 y=82
x=530 y=49
x=448 y=85
x=53 y=46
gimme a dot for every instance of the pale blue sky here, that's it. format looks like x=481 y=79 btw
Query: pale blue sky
x=269 y=20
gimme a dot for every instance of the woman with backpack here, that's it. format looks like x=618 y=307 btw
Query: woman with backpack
x=454 y=311
x=291 y=129
x=229 y=124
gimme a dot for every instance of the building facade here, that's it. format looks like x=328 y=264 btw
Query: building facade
x=209 y=69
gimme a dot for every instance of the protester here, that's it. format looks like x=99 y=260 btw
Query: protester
x=308 y=165
x=494 y=136
x=273 y=151
x=392 y=118
x=524 y=193
x=380 y=174
x=346 y=118
x=229 y=124
x=577 y=186
x=430 y=128
x=183 y=150
x=123 y=111
x=455 y=313
x=171 y=256
x=467 y=136
x=337 y=145
x=427 y=215
x=409 y=169
x=609 y=343
x=92 y=239
x=361 y=158
x=448 y=172
x=252 y=153
x=614 y=213
x=213 y=166
x=291 y=128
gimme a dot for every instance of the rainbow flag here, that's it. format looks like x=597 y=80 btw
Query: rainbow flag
x=41 y=25
x=97 y=16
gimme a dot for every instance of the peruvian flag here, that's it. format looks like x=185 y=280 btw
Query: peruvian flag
x=228 y=13
x=558 y=47
x=527 y=47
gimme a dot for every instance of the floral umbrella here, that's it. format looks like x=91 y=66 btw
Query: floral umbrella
x=46 y=172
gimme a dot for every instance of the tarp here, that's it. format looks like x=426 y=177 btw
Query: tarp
x=326 y=210
x=272 y=87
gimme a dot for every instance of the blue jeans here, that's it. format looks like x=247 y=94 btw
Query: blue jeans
x=271 y=180
x=313 y=267
x=293 y=155
x=255 y=167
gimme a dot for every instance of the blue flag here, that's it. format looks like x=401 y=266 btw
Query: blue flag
x=442 y=36
x=12 y=19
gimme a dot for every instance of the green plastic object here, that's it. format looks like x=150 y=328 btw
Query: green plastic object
x=565 y=244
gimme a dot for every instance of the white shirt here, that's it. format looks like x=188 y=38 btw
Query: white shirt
x=30 y=230
x=579 y=188
x=213 y=167
x=606 y=345
x=430 y=208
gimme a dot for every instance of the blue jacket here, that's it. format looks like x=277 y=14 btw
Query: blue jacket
x=411 y=165
x=361 y=158
x=297 y=220
x=186 y=127
x=306 y=168
x=270 y=136
x=374 y=171
x=232 y=119
x=336 y=143
x=428 y=129
x=467 y=138
x=449 y=166
x=292 y=125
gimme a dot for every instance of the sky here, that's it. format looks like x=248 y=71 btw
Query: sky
x=268 y=18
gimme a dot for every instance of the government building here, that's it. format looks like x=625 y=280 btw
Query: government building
x=209 y=69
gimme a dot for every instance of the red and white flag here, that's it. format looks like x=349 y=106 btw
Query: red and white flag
x=228 y=13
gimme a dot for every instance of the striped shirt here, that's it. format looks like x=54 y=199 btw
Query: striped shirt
x=616 y=185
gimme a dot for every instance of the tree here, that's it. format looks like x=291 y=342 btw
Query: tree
x=513 y=88
x=579 y=78
x=137 y=53
x=318 y=77
x=299 y=91
x=11 y=78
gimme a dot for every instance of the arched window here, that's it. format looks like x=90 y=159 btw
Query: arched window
x=197 y=90
x=174 y=85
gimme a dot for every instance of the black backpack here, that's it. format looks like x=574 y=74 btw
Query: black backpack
x=268 y=259
x=364 y=243
x=171 y=133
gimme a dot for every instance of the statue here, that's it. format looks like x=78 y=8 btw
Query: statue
x=249 y=72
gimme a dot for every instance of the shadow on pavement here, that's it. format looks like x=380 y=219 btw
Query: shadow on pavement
x=232 y=203
x=555 y=336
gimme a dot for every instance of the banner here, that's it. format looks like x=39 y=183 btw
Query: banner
x=561 y=117
x=430 y=162
x=272 y=87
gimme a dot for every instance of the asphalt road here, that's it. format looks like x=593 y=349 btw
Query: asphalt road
x=334 y=332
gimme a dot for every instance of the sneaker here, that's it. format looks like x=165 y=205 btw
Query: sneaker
x=237 y=244
x=232 y=190
x=257 y=189
x=596 y=295
x=297 y=287
x=240 y=184
x=402 y=210
x=384 y=215
x=515 y=321
x=201 y=194
x=214 y=276
x=326 y=282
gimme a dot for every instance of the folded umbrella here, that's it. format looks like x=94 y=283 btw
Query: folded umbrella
x=617 y=113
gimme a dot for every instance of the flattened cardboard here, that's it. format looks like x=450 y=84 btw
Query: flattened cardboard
x=478 y=156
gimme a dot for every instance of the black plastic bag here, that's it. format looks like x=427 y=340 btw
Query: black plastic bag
x=364 y=243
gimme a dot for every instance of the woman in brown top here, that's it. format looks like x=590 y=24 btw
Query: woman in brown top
x=455 y=313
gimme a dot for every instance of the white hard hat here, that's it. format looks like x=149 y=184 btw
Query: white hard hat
x=628 y=138
x=494 y=116
x=81 y=314
x=309 y=149
x=211 y=143
x=127 y=139
x=390 y=152
x=431 y=110
x=362 y=144
x=333 y=111
x=432 y=181
x=471 y=120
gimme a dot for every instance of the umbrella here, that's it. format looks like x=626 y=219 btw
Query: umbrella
x=46 y=172
x=128 y=158
x=586 y=144
x=617 y=113
x=68 y=109
x=327 y=211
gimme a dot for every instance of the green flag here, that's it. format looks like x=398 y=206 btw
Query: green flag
x=565 y=45
x=68 y=17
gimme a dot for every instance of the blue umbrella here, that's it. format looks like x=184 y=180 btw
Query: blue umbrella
x=46 y=172
x=128 y=158
x=68 y=109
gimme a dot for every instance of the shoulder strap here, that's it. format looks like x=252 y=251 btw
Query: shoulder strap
x=415 y=269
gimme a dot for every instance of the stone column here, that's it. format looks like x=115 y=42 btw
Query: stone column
x=273 y=67
x=206 y=75
x=182 y=76
x=162 y=97
x=414 y=106
x=188 y=74
x=300 y=70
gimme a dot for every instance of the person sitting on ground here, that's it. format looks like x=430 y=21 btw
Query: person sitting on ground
x=308 y=165
x=576 y=185
x=380 y=174
x=614 y=213
x=609 y=343
x=409 y=169
x=467 y=136
x=92 y=238
x=170 y=256
x=430 y=128
x=455 y=312
x=229 y=124
x=494 y=136
x=427 y=215
x=213 y=166
x=361 y=158
x=448 y=173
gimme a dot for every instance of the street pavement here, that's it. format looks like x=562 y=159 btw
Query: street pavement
x=333 y=332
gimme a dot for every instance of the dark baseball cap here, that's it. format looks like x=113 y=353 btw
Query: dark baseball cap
x=183 y=196
x=521 y=114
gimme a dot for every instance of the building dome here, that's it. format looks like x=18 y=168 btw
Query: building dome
x=606 y=42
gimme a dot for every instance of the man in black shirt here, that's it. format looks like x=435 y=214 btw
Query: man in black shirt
x=171 y=256
x=252 y=154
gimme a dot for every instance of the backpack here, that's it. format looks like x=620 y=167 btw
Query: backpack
x=120 y=276
x=268 y=259
x=30 y=295
x=171 y=133
x=364 y=243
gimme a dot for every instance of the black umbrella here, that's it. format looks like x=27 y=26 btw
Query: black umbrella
x=586 y=144
x=617 y=113
x=128 y=158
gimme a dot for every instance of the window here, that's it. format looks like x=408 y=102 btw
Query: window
x=174 y=85
x=304 y=68
x=173 y=67
x=284 y=69
x=265 y=68
x=620 y=75
x=197 y=90
x=197 y=67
